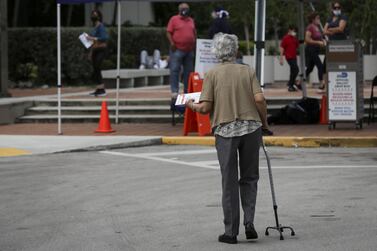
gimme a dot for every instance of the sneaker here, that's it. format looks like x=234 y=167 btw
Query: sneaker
x=321 y=91
x=228 y=239
x=250 y=233
x=141 y=67
x=98 y=93
x=155 y=66
x=298 y=86
x=291 y=89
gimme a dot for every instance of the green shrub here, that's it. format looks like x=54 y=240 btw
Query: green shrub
x=38 y=47
x=242 y=47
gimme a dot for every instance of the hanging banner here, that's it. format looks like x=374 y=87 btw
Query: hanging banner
x=205 y=58
x=342 y=96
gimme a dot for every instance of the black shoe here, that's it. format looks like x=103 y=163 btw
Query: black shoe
x=298 y=86
x=291 y=89
x=250 y=232
x=228 y=239
x=98 y=93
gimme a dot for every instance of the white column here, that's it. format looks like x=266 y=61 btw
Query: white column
x=59 y=84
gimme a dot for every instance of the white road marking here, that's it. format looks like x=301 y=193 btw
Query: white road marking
x=214 y=164
x=180 y=152
x=145 y=156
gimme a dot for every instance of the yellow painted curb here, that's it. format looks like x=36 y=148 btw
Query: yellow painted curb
x=189 y=140
x=9 y=152
x=283 y=141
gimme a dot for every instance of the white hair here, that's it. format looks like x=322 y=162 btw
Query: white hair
x=225 y=47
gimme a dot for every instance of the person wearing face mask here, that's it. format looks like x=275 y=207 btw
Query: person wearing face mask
x=98 y=51
x=181 y=34
x=313 y=43
x=336 y=25
x=288 y=48
x=220 y=22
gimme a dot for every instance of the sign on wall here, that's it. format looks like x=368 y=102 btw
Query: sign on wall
x=205 y=58
x=342 y=96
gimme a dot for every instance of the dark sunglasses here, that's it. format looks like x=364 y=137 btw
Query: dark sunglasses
x=336 y=8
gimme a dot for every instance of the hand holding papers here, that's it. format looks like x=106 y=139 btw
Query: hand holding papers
x=85 y=41
x=183 y=98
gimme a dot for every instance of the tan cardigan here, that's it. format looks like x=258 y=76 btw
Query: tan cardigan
x=231 y=88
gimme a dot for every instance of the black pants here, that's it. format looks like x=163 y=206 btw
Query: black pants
x=312 y=59
x=98 y=55
x=293 y=71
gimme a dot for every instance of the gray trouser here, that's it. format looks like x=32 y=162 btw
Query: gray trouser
x=247 y=147
x=149 y=61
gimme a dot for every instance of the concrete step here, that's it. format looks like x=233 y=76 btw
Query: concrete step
x=98 y=102
x=126 y=102
x=132 y=118
x=95 y=110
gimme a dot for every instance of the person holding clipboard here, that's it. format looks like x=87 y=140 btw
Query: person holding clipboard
x=98 y=51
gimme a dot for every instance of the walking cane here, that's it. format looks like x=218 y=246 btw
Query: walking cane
x=278 y=227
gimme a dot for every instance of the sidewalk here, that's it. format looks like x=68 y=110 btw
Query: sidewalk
x=286 y=135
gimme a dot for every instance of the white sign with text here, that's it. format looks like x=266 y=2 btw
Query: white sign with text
x=342 y=96
x=205 y=58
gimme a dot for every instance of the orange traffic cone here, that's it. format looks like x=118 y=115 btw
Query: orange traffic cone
x=323 y=113
x=104 y=122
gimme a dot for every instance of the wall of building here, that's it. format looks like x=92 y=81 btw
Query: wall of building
x=275 y=72
x=138 y=13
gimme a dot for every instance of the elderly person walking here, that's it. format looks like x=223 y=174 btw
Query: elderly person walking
x=233 y=96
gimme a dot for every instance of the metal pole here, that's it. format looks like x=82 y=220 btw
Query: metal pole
x=301 y=36
x=59 y=84
x=118 y=64
x=259 y=36
x=3 y=49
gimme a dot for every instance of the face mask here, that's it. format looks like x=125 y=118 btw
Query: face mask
x=214 y=16
x=184 y=12
x=337 y=12
x=293 y=33
x=94 y=19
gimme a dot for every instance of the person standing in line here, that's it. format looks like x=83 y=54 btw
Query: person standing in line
x=98 y=51
x=219 y=23
x=314 y=41
x=336 y=25
x=233 y=96
x=181 y=34
x=288 y=48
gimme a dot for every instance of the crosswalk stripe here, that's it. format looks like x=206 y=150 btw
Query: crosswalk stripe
x=213 y=164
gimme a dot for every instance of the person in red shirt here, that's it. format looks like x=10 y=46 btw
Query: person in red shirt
x=181 y=34
x=313 y=42
x=288 y=48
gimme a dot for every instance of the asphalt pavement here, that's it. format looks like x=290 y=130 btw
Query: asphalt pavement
x=169 y=198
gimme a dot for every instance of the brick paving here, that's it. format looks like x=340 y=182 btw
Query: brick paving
x=343 y=129
x=127 y=129
x=278 y=90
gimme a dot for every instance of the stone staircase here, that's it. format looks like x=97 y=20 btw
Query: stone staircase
x=130 y=111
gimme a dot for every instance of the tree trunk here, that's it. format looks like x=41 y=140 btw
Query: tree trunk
x=247 y=37
x=276 y=36
x=69 y=15
x=374 y=44
x=115 y=11
x=3 y=49
x=15 y=13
